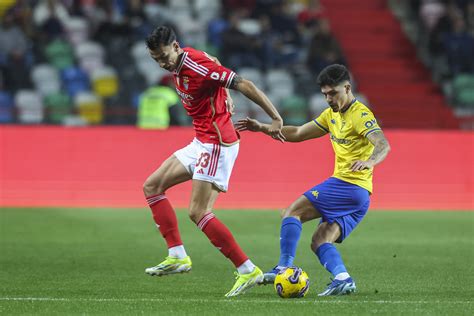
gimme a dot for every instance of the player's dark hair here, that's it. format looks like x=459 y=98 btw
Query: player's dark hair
x=333 y=75
x=162 y=35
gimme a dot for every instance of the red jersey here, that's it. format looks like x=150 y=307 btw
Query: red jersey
x=201 y=83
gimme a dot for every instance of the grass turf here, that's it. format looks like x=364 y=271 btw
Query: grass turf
x=91 y=261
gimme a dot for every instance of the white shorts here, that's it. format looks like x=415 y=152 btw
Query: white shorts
x=209 y=162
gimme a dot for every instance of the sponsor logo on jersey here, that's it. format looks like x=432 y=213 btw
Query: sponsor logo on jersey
x=184 y=96
x=342 y=141
x=364 y=114
x=370 y=123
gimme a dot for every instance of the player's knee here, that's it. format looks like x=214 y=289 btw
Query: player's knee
x=289 y=212
x=195 y=214
x=316 y=241
x=150 y=187
x=284 y=213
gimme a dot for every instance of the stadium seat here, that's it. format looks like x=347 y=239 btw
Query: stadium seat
x=463 y=90
x=89 y=107
x=77 y=30
x=6 y=107
x=90 y=56
x=279 y=78
x=250 y=27
x=146 y=66
x=317 y=104
x=59 y=54
x=58 y=106
x=138 y=51
x=242 y=105
x=105 y=82
x=254 y=75
x=29 y=105
x=45 y=79
x=207 y=10
x=294 y=110
x=75 y=80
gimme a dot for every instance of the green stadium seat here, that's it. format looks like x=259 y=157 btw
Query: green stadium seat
x=295 y=110
x=59 y=54
x=58 y=106
x=463 y=90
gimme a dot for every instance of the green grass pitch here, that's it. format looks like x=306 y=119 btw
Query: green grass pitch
x=92 y=261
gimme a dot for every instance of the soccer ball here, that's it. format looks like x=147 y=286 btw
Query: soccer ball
x=291 y=282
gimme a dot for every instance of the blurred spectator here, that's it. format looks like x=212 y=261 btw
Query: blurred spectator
x=14 y=59
x=470 y=17
x=155 y=105
x=444 y=25
x=239 y=49
x=459 y=46
x=136 y=19
x=324 y=49
x=108 y=20
x=287 y=40
x=311 y=14
x=13 y=41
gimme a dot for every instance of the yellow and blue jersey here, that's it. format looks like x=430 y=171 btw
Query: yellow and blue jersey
x=348 y=133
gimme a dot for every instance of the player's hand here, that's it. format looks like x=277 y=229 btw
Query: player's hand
x=360 y=165
x=248 y=124
x=275 y=130
x=230 y=105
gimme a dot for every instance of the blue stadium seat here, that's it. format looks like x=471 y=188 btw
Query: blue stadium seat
x=6 y=108
x=75 y=80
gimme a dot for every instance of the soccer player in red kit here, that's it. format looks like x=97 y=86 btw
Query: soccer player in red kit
x=201 y=83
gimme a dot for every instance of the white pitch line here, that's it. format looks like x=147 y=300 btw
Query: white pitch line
x=231 y=301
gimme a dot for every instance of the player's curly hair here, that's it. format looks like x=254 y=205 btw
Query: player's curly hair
x=162 y=35
x=333 y=75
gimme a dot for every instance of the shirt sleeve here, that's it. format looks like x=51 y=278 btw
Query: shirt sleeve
x=322 y=121
x=365 y=122
x=214 y=75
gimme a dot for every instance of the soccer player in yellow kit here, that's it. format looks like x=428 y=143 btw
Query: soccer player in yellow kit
x=342 y=200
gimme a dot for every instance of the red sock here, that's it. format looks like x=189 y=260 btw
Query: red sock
x=165 y=219
x=222 y=239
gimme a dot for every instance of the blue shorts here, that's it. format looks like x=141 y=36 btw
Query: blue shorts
x=341 y=202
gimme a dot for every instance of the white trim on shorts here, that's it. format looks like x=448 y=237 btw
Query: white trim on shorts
x=215 y=162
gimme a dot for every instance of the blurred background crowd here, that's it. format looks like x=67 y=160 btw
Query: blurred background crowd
x=84 y=62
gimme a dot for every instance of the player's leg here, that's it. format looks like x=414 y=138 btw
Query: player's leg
x=211 y=176
x=322 y=244
x=170 y=173
x=342 y=205
x=204 y=195
x=300 y=211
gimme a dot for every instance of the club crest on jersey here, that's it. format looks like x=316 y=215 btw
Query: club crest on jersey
x=186 y=82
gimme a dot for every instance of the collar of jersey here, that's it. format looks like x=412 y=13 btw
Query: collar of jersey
x=352 y=102
x=181 y=62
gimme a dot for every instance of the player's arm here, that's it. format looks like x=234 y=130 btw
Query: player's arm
x=248 y=88
x=381 y=149
x=291 y=133
x=229 y=100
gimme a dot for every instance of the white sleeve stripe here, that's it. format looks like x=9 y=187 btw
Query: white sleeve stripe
x=229 y=81
x=181 y=62
x=192 y=67
x=197 y=65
